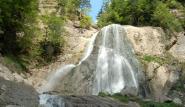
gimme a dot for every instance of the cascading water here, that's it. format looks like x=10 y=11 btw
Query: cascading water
x=115 y=71
x=109 y=65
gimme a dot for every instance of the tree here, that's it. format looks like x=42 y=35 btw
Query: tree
x=142 y=13
x=16 y=19
x=70 y=8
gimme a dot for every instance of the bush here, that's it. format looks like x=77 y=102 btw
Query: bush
x=165 y=18
x=53 y=42
x=158 y=104
x=85 y=22
x=103 y=94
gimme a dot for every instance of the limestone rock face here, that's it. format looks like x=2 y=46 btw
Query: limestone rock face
x=161 y=78
x=13 y=90
x=178 y=50
x=146 y=40
x=9 y=75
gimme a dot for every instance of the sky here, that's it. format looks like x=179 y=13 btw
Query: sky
x=95 y=8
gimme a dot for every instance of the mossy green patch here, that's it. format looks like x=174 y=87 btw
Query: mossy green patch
x=126 y=99
x=149 y=58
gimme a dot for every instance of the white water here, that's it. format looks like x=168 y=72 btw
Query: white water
x=51 y=101
x=89 y=48
x=56 y=77
x=114 y=72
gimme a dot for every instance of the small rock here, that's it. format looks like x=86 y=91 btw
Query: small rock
x=133 y=104
x=177 y=101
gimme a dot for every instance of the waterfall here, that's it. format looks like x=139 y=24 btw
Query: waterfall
x=51 y=101
x=89 y=48
x=115 y=71
x=108 y=65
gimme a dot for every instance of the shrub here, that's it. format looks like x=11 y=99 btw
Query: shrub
x=85 y=22
x=15 y=64
x=103 y=94
x=53 y=42
x=165 y=18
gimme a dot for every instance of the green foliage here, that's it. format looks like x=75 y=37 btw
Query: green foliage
x=53 y=42
x=17 y=19
x=142 y=13
x=85 y=22
x=15 y=63
x=126 y=99
x=71 y=8
x=173 y=4
x=120 y=97
x=149 y=58
x=104 y=94
x=117 y=96
x=165 y=19
x=20 y=36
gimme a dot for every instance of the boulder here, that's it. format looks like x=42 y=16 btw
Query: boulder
x=161 y=78
x=13 y=94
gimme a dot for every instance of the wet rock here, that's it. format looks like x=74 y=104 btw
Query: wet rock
x=133 y=104
x=81 y=101
x=13 y=106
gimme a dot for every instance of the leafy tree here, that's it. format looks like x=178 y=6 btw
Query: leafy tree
x=16 y=25
x=142 y=13
x=71 y=8
x=165 y=19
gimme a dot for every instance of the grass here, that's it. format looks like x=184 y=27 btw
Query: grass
x=166 y=59
x=15 y=64
x=117 y=96
x=157 y=104
x=149 y=58
x=126 y=99
x=120 y=97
